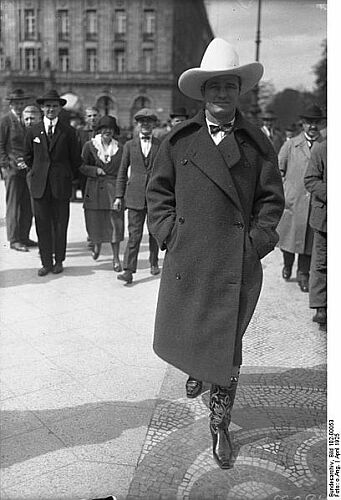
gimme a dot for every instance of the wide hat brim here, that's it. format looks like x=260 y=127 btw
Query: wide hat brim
x=24 y=97
x=192 y=80
x=61 y=101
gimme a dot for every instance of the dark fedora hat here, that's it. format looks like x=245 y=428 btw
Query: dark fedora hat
x=312 y=112
x=108 y=121
x=179 y=112
x=145 y=113
x=51 y=95
x=17 y=95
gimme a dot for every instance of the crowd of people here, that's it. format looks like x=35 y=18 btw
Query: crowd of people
x=218 y=193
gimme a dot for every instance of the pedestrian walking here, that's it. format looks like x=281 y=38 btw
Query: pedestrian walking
x=52 y=152
x=296 y=235
x=138 y=154
x=214 y=200
x=271 y=131
x=101 y=160
x=315 y=181
x=14 y=171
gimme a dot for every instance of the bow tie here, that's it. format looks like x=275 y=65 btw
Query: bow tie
x=145 y=137
x=226 y=128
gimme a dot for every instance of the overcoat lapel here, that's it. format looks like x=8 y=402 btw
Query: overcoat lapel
x=43 y=137
x=206 y=156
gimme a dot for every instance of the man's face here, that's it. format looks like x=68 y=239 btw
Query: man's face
x=51 y=109
x=30 y=118
x=145 y=125
x=91 y=117
x=268 y=122
x=177 y=119
x=312 y=127
x=221 y=95
x=17 y=106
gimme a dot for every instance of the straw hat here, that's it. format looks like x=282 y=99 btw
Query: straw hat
x=219 y=59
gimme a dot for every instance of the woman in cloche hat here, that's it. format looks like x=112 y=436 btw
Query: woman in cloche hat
x=101 y=160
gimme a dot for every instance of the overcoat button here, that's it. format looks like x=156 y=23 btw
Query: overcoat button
x=184 y=161
x=181 y=220
x=239 y=224
x=178 y=276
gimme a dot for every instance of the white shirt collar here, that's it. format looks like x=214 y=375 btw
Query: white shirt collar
x=47 y=123
x=220 y=135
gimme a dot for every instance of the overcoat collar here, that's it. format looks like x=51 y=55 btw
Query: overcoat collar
x=301 y=142
x=205 y=154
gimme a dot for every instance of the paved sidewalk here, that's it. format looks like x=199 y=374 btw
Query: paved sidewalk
x=89 y=411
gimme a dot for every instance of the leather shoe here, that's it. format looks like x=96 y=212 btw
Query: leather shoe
x=96 y=251
x=320 y=316
x=286 y=273
x=126 y=276
x=193 y=387
x=154 y=270
x=117 y=266
x=303 y=282
x=19 y=247
x=30 y=243
x=57 y=268
x=43 y=271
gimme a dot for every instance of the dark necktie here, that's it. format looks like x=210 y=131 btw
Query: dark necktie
x=146 y=137
x=50 y=131
x=226 y=128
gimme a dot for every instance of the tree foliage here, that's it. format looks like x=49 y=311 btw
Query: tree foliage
x=320 y=70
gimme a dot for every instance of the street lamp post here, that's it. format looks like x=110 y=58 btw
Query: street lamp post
x=255 y=109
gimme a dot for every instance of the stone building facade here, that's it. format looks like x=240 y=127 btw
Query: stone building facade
x=119 y=55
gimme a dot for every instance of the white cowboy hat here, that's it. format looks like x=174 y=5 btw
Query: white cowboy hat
x=219 y=59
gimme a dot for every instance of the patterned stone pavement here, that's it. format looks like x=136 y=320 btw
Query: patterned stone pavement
x=278 y=427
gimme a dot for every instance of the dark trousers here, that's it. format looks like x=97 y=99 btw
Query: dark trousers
x=52 y=218
x=18 y=208
x=136 y=219
x=303 y=263
x=318 y=272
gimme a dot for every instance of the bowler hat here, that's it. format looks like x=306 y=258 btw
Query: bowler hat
x=17 y=95
x=219 y=59
x=51 y=95
x=108 y=121
x=312 y=112
x=145 y=113
x=179 y=112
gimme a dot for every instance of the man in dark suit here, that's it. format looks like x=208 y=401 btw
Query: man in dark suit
x=315 y=181
x=18 y=203
x=272 y=133
x=138 y=154
x=52 y=152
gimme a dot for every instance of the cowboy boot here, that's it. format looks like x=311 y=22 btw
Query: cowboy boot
x=221 y=403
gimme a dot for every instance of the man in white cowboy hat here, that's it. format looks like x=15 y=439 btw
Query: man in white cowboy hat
x=52 y=153
x=18 y=202
x=214 y=200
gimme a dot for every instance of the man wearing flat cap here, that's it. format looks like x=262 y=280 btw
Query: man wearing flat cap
x=52 y=153
x=295 y=233
x=138 y=154
x=18 y=202
x=214 y=200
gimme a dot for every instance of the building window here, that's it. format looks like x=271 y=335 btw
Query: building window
x=64 y=60
x=63 y=23
x=91 y=25
x=149 y=24
x=30 y=24
x=148 y=55
x=31 y=60
x=119 y=61
x=120 y=24
x=91 y=60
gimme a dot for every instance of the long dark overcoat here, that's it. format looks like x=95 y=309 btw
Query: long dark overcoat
x=295 y=235
x=215 y=210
